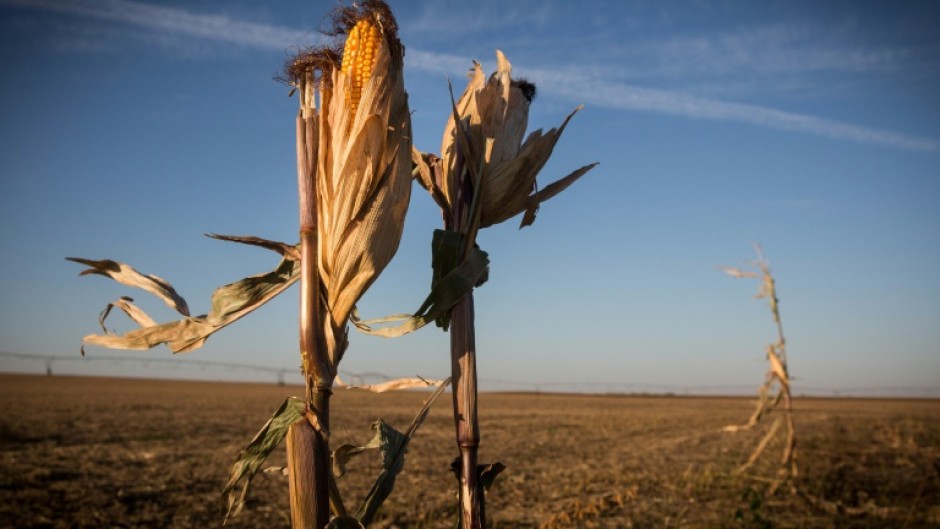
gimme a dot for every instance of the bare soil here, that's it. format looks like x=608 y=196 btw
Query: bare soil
x=95 y=452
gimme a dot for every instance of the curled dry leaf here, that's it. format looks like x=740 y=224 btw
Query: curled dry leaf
x=133 y=312
x=229 y=303
x=288 y=251
x=127 y=275
x=391 y=385
x=777 y=368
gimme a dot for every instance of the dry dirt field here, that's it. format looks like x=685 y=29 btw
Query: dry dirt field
x=87 y=452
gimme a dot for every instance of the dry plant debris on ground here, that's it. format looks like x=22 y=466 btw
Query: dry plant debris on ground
x=83 y=452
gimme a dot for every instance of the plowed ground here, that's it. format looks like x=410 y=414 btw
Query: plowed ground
x=95 y=452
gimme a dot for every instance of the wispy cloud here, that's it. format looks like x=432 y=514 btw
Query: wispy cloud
x=627 y=97
x=474 y=17
x=592 y=89
x=773 y=50
x=582 y=86
x=173 y=20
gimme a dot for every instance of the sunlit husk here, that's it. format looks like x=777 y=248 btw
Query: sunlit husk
x=364 y=183
x=498 y=109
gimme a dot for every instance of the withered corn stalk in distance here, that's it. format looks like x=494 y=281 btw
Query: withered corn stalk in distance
x=486 y=175
x=354 y=179
x=777 y=377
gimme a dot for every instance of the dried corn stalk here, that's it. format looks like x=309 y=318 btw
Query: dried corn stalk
x=354 y=178
x=354 y=162
x=776 y=387
x=486 y=175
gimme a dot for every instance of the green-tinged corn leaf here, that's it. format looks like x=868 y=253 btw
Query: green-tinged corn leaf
x=452 y=280
x=229 y=302
x=393 y=444
x=252 y=457
x=447 y=249
x=343 y=454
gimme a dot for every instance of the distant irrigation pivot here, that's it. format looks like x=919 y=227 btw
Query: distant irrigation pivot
x=51 y=360
x=285 y=375
x=282 y=374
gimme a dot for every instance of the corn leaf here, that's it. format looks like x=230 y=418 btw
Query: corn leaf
x=133 y=312
x=393 y=444
x=252 y=457
x=550 y=191
x=229 y=302
x=390 y=385
x=289 y=251
x=127 y=275
x=452 y=280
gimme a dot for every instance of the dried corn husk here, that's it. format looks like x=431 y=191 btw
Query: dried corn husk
x=495 y=112
x=486 y=175
x=358 y=153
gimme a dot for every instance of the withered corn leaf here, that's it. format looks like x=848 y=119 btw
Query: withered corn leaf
x=550 y=191
x=389 y=385
x=252 y=456
x=126 y=275
x=133 y=312
x=289 y=251
x=452 y=280
x=345 y=453
x=229 y=302
x=393 y=444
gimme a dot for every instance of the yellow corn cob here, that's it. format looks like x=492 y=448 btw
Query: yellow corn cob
x=362 y=46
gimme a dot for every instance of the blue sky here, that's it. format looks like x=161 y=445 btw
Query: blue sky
x=131 y=128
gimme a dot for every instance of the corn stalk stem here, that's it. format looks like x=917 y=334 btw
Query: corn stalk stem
x=309 y=491
x=464 y=373
x=308 y=441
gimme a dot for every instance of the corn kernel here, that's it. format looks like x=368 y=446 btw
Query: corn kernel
x=362 y=45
